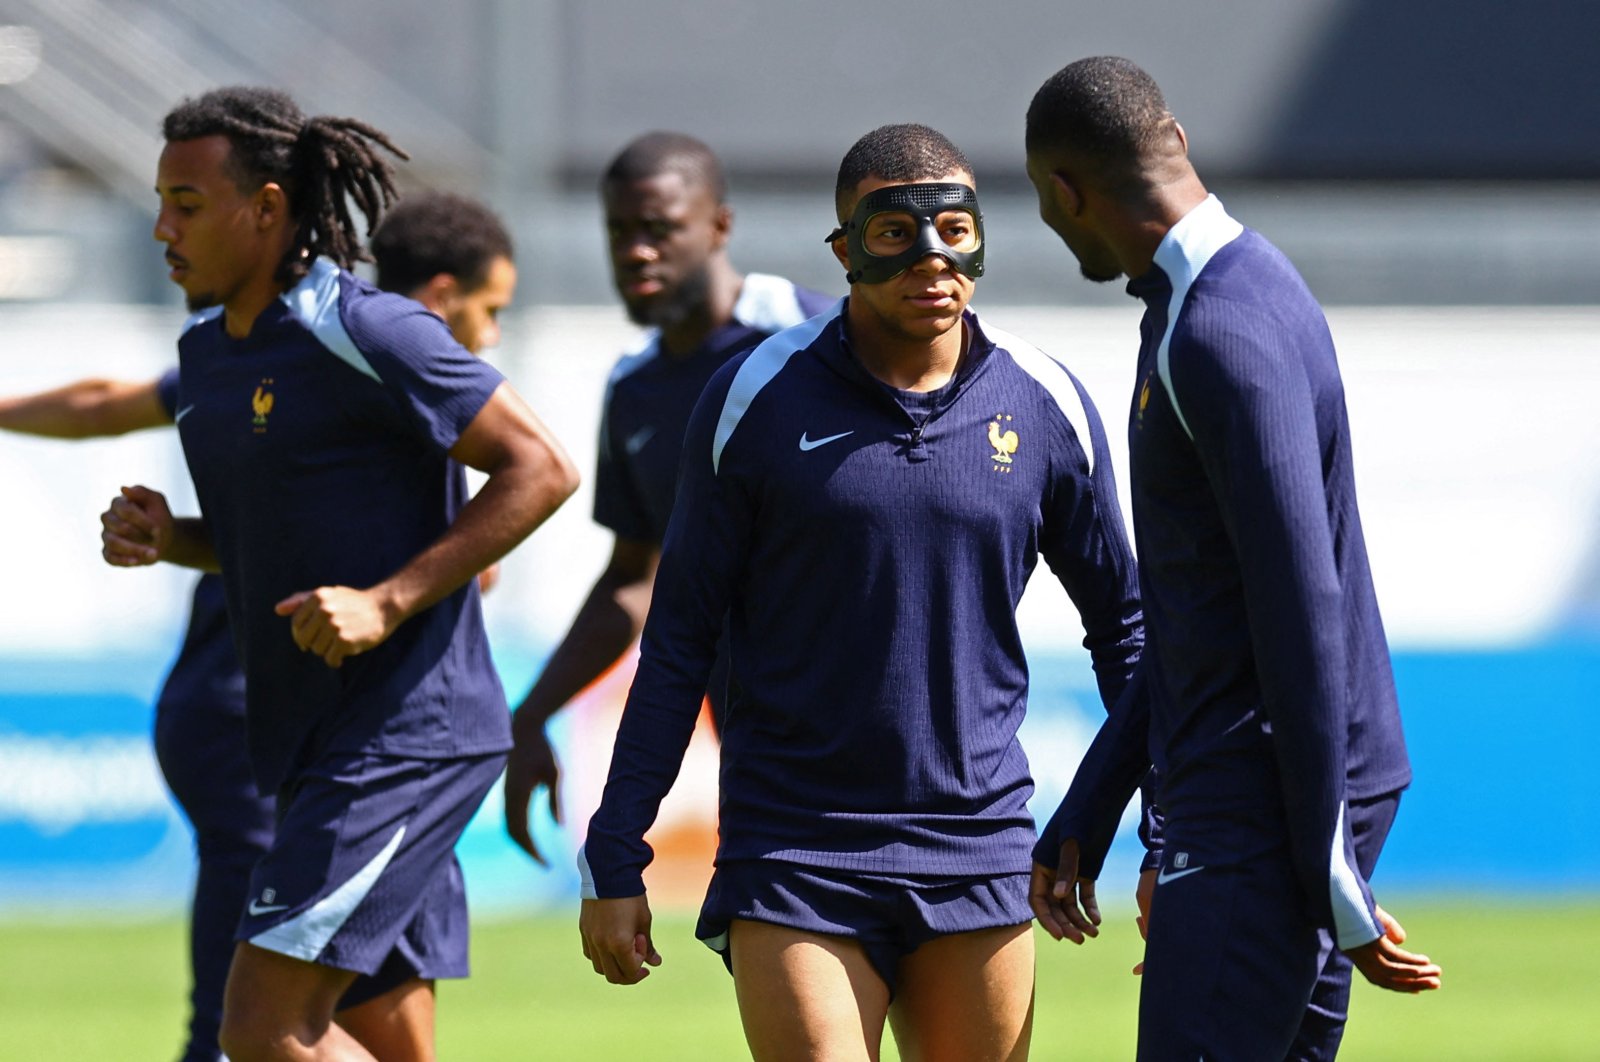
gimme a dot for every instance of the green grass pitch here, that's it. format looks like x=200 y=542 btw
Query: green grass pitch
x=1520 y=983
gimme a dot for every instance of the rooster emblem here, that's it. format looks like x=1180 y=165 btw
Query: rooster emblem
x=1004 y=443
x=261 y=402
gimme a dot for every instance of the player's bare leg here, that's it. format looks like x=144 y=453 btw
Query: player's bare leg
x=280 y=1009
x=396 y=1026
x=806 y=996
x=966 y=997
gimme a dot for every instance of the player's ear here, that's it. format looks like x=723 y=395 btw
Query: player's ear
x=721 y=226
x=841 y=251
x=1066 y=193
x=1183 y=138
x=439 y=293
x=271 y=205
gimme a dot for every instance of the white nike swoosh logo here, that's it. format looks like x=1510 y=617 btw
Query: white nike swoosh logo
x=1164 y=877
x=812 y=444
x=184 y=412
x=266 y=908
x=635 y=442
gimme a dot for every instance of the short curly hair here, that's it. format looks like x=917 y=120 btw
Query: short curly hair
x=653 y=154
x=436 y=232
x=907 y=152
x=1105 y=111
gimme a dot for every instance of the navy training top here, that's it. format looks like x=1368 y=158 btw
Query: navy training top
x=868 y=547
x=318 y=445
x=650 y=395
x=206 y=675
x=1267 y=666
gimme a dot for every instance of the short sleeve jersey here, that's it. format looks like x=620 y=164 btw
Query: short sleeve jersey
x=318 y=445
x=650 y=395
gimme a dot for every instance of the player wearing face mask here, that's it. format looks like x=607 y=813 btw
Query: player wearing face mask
x=864 y=497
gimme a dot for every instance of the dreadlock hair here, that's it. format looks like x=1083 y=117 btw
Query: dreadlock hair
x=901 y=153
x=436 y=232
x=653 y=154
x=321 y=163
x=1107 y=113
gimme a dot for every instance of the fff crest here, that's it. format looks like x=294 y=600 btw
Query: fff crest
x=1004 y=442
x=261 y=402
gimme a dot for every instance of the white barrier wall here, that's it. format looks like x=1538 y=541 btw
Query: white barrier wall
x=1476 y=431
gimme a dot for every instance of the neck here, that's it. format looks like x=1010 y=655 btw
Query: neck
x=683 y=338
x=1148 y=224
x=239 y=313
x=909 y=363
x=241 y=308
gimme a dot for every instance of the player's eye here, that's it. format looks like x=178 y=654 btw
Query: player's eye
x=958 y=231
x=888 y=235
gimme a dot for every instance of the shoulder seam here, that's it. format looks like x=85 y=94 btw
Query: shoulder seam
x=758 y=369
x=315 y=302
x=1055 y=379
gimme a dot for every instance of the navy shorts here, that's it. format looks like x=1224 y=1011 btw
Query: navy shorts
x=890 y=915
x=1234 y=967
x=362 y=873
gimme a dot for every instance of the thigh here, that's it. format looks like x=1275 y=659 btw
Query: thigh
x=967 y=997
x=396 y=1026
x=1230 y=962
x=806 y=996
x=274 y=1001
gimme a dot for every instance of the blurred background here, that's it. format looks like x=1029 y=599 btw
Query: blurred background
x=1432 y=169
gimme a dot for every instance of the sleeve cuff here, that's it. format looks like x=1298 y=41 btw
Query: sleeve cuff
x=608 y=887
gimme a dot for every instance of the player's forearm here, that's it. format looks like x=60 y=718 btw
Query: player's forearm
x=1116 y=762
x=191 y=546
x=84 y=410
x=513 y=502
x=608 y=623
x=656 y=726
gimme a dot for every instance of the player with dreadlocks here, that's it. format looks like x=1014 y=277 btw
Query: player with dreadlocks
x=324 y=423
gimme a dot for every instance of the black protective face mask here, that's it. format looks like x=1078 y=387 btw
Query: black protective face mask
x=924 y=202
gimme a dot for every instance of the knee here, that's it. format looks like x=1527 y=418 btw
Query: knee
x=254 y=1032
x=250 y=1038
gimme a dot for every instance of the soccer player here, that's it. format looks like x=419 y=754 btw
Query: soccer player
x=320 y=419
x=864 y=497
x=667 y=229
x=452 y=255
x=1270 y=707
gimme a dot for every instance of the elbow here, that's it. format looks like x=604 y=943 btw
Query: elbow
x=568 y=479
x=557 y=480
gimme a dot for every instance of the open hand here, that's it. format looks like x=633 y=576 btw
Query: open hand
x=1387 y=965
x=1063 y=902
x=532 y=763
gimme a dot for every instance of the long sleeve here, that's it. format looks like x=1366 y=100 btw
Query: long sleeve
x=705 y=545
x=1086 y=546
x=1255 y=422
